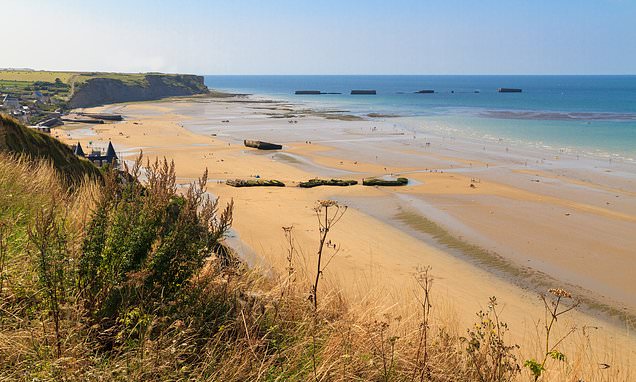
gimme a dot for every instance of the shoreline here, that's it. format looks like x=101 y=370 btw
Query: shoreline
x=477 y=114
x=326 y=155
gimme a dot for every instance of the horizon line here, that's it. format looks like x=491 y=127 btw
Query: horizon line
x=315 y=74
x=422 y=74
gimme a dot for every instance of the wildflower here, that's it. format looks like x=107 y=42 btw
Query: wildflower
x=558 y=292
x=326 y=203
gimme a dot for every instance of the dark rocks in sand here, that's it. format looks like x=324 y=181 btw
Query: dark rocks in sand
x=327 y=182
x=254 y=183
x=380 y=115
x=262 y=145
x=385 y=182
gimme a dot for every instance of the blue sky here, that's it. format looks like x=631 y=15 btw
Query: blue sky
x=323 y=37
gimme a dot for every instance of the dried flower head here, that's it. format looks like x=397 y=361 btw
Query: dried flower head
x=558 y=292
x=327 y=203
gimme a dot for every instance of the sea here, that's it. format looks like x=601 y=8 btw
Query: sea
x=594 y=115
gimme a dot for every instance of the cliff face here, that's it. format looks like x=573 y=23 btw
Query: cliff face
x=100 y=91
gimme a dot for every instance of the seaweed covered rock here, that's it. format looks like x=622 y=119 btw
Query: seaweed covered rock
x=327 y=182
x=385 y=182
x=254 y=183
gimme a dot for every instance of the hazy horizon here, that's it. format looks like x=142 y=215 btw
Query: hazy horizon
x=283 y=37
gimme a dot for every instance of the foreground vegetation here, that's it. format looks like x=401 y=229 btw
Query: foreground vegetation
x=121 y=279
x=17 y=139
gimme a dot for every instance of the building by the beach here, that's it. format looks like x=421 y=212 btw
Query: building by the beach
x=97 y=156
x=10 y=103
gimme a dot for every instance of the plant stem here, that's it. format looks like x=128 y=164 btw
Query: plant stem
x=323 y=237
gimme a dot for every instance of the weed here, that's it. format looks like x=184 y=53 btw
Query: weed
x=329 y=213
x=48 y=237
x=425 y=283
x=491 y=358
x=553 y=310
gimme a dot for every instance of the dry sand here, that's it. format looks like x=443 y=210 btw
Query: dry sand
x=533 y=219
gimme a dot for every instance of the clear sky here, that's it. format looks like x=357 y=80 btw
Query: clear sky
x=322 y=36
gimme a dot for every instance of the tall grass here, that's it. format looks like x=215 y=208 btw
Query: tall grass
x=130 y=280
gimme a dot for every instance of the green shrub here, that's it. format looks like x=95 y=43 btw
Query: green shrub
x=144 y=242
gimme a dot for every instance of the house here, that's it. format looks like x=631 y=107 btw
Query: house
x=97 y=156
x=39 y=97
x=77 y=150
x=9 y=102
x=42 y=129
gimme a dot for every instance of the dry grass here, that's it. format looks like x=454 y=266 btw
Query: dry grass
x=266 y=327
x=36 y=75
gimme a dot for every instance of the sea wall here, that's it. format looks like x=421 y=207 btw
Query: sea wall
x=101 y=91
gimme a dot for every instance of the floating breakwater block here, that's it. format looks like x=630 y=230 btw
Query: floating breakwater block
x=363 y=92
x=509 y=90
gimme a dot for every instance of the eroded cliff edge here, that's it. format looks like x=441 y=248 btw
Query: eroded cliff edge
x=100 y=90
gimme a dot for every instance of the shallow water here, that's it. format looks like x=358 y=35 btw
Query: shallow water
x=592 y=114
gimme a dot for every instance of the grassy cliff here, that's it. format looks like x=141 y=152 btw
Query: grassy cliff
x=113 y=88
x=86 y=89
x=17 y=139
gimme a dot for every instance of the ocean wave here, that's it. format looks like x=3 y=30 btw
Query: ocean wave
x=557 y=116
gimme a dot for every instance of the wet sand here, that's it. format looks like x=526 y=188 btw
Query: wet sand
x=532 y=220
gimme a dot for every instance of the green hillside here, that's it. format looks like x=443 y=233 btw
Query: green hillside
x=44 y=92
x=15 y=138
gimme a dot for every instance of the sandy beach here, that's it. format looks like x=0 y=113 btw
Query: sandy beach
x=490 y=217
